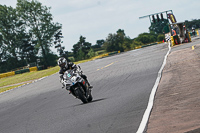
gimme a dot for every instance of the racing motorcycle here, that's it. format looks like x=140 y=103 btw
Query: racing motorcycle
x=77 y=86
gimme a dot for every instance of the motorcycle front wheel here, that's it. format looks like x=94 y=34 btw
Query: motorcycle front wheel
x=81 y=96
x=90 y=98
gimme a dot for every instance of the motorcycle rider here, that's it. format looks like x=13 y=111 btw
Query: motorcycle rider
x=65 y=65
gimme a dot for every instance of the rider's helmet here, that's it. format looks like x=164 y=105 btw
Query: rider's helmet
x=62 y=62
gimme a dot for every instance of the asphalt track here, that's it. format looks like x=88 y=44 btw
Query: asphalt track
x=122 y=85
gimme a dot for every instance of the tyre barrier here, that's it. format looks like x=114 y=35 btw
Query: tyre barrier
x=3 y=75
x=22 y=71
x=150 y=44
x=197 y=33
x=40 y=68
x=138 y=47
x=172 y=40
x=31 y=69
x=115 y=52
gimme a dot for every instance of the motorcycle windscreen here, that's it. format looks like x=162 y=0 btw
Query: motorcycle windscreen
x=68 y=74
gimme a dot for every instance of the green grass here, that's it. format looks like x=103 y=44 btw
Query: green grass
x=17 y=80
x=12 y=80
x=9 y=88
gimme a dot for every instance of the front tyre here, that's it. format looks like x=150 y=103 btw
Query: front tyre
x=90 y=98
x=81 y=96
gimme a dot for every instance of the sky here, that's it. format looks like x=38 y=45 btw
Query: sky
x=95 y=19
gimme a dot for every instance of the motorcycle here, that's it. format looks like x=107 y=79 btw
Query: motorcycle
x=77 y=86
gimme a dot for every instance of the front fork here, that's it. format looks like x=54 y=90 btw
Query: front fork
x=72 y=90
x=79 y=86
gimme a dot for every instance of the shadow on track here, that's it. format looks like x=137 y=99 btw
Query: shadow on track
x=97 y=100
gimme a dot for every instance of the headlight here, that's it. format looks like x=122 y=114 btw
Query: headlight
x=65 y=76
x=67 y=82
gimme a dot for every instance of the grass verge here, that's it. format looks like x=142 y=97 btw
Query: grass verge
x=9 y=88
x=11 y=82
x=19 y=78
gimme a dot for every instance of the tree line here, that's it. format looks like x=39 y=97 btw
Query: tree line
x=195 y=23
x=27 y=33
x=118 y=41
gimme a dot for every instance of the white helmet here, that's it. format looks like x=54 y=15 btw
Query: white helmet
x=62 y=62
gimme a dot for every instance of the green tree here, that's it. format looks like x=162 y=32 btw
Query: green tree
x=110 y=43
x=82 y=47
x=114 y=42
x=91 y=53
x=121 y=32
x=146 y=38
x=136 y=44
x=127 y=44
x=193 y=23
x=160 y=37
x=39 y=22
x=99 y=43
x=12 y=33
x=81 y=55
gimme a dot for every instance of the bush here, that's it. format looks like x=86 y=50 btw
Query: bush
x=160 y=37
x=71 y=59
x=91 y=53
x=136 y=44
x=146 y=38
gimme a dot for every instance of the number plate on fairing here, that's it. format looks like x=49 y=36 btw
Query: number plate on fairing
x=68 y=75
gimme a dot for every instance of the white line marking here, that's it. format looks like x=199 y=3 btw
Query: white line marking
x=151 y=98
